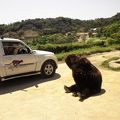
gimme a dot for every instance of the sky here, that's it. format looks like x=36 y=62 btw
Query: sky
x=17 y=10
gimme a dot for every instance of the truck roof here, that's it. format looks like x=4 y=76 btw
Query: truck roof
x=10 y=39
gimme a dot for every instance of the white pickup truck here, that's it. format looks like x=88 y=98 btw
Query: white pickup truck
x=18 y=60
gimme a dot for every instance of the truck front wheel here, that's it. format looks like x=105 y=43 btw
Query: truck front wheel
x=48 y=69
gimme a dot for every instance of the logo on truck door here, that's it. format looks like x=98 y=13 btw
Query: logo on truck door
x=15 y=63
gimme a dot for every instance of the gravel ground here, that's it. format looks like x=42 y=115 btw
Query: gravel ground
x=34 y=98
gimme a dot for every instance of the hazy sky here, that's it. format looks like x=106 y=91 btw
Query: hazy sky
x=17 y=10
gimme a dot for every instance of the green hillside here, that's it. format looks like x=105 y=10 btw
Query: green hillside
x=35 y=28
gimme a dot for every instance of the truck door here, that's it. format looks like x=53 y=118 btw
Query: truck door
x=17 y=58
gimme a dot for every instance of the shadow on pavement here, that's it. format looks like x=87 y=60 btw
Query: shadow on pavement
x=102 y=92
x=24 y=82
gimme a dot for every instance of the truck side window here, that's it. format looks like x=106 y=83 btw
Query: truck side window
x=14 y=48
x=8 y=49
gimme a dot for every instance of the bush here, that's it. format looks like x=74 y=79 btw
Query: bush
x=99 y=43
x=96 y=42
x=110 y=41
x=58 y=48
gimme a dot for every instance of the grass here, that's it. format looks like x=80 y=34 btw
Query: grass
x=105 y=64
x=88 y=51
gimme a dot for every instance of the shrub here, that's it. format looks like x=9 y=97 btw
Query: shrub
x=110 y=41
x=58 y=48
x=99 y=43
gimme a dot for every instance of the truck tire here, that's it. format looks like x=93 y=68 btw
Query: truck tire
x=48 y=69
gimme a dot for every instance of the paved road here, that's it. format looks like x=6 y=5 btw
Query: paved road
x=34 y=98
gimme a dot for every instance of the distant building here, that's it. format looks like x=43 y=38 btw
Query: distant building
x=82 y=36
x=94 y=34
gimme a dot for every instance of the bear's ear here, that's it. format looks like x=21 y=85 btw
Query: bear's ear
x=85 y=61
